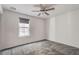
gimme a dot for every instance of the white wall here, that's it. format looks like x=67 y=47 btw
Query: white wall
x=1 y=10
x=9 y=29
x=0 y=28
x=64 y=28
x=52 y=28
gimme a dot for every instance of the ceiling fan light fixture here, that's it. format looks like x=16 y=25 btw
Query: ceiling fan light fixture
x=44 y=8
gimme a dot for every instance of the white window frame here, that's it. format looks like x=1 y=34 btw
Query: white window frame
x=26 y=33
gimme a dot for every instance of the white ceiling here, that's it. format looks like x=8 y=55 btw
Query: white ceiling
x=27 y=9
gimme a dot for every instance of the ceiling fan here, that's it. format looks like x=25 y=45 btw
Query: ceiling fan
x=44 y=8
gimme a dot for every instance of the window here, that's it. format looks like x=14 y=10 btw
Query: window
x=23 y=27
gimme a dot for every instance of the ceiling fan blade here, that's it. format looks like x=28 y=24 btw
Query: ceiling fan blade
x=36 y=11
x=50 y=9
x=47 y=13
x=39 y=14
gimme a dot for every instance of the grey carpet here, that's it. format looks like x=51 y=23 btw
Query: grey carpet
x=42 y=48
